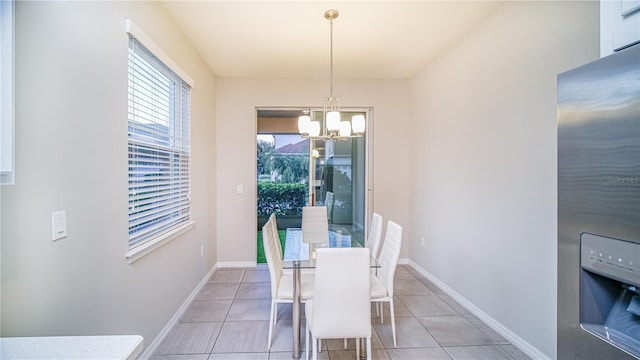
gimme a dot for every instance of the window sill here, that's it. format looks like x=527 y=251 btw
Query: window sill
x=148 y=247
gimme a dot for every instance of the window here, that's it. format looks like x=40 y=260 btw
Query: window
x=159 y=147
x=7 y=166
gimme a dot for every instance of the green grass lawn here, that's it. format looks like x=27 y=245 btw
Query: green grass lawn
x=261 y=259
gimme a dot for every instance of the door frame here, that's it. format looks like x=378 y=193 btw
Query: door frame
x=368 y=158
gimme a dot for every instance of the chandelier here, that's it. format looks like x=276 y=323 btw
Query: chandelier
x=332 y=127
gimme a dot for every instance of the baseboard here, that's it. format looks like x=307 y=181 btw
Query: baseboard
x=153 y=346
x=514 y=339
x=236 y=264
x=403 y=261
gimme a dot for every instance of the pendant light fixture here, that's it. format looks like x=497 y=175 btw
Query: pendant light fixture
x=332 y=127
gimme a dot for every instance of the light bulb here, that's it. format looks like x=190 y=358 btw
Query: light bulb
x=333 y=121
x=314 y=128
x=357 y=122
x=304 y=122
x=345 y=128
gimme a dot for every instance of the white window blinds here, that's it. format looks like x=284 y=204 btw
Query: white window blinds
x=159 y=147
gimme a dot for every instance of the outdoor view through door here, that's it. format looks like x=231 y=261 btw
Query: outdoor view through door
x=293 y=171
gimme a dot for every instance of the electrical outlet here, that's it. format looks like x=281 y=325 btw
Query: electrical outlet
x=422 y=241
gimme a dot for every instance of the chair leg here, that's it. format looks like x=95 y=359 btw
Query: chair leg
x=357 y=348
x=271 y=315
x=315 y=349
x=345 y=343
x=369 y=348
x=307 y=334
x=393 y=321
x=275 y=314
x=381 y=312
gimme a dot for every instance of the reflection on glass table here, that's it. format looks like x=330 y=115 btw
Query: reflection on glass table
x=300 y=255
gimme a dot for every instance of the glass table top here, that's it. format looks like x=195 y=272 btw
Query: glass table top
x=299 y=254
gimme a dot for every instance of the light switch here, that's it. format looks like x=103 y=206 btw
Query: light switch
x=58 y=225
x=239 y=189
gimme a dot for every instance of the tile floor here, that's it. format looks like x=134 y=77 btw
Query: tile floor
x=229 y=319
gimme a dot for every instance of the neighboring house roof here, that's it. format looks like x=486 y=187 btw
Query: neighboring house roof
x=301 y=147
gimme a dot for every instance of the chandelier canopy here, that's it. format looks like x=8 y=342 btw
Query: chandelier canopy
x=332 y=127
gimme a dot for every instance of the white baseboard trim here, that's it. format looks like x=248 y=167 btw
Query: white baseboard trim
x=514 y=339
x=403 y=261
x=153 y=346
x=236 y=264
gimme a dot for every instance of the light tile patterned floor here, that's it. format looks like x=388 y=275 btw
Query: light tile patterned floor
x=229 y=320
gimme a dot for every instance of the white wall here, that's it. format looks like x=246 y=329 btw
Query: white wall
x=477 y=178
x=237 y=100
x=484 y=161
x=71 y=154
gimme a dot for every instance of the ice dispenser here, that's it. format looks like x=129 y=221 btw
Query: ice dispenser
x=610 y=291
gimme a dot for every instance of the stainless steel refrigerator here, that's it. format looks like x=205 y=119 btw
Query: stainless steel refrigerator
x=599 y=209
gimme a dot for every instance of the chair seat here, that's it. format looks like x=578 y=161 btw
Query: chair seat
x=377 y=288
x=285 y=287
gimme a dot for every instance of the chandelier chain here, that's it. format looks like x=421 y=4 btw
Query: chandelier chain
x=331 y=58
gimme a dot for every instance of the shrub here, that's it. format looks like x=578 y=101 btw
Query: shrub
x=281 y=198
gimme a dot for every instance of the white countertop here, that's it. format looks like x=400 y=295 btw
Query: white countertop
x=71 y=347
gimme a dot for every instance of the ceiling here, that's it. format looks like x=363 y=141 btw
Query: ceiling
x=291 y=39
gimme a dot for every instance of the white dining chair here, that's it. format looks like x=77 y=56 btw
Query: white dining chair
x=274 y=229
x=375 y=235
x=315 y=224
x=341 y=304
x=328 y=202
x=274 y=225
x=373 y=243
x=281 y=283
x=382 y=282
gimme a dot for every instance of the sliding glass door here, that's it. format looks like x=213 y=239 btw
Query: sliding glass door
x=293 y=171
x=337 y=174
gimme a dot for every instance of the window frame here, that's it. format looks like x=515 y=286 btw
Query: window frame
x=7 y=90
x=177 y=150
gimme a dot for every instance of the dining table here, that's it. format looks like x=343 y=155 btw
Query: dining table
x=299 y=255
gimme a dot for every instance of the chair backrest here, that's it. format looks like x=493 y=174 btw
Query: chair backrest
x=342 y=297
x=274 y=227
x=274 y=259
x=315 y=225
x=389 y=255
x=328 y=202
x=375 y=234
